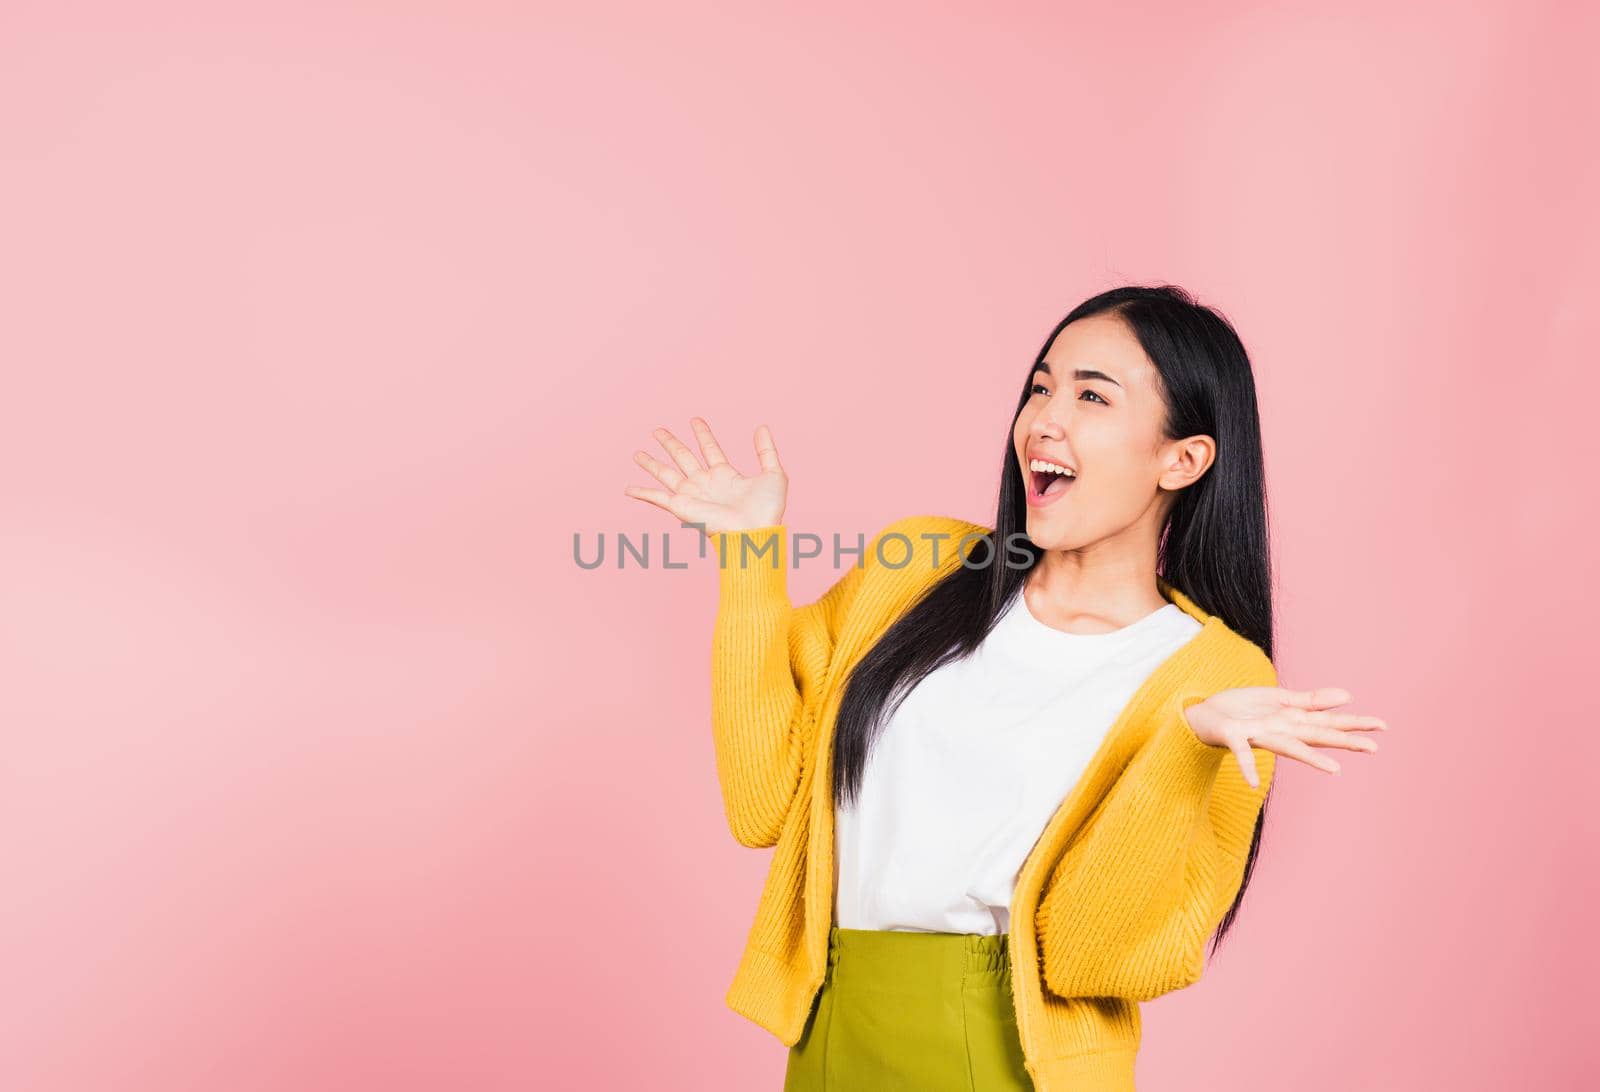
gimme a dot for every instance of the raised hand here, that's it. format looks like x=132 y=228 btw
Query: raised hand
x=1287 y=722
x=713 y=493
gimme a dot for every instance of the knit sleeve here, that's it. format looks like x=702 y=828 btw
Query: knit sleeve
x=768 y=659
x=1131 y=905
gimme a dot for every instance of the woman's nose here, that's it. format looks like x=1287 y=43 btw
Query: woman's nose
x=1052 y=419
x=1045 y=426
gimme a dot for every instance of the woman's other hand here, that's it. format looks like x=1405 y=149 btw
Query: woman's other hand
x=1287 y=722
x=712 y=493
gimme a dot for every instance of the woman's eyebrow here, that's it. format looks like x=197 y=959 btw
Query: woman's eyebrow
x=1078 y=373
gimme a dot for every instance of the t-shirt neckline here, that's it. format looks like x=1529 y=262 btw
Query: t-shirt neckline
x=1026 y=621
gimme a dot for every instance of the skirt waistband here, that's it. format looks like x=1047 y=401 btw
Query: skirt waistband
x=916 y=962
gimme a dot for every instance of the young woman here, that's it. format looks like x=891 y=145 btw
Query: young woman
x=1015 y=775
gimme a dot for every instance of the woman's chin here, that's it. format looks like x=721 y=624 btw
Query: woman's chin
x=1047 y=532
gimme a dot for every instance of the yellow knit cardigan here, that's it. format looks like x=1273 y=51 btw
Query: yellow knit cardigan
x=1122 y=889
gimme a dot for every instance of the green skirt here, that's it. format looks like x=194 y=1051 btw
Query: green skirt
x=923 y=1012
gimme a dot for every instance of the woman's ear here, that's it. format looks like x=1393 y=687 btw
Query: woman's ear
x=1184 y=461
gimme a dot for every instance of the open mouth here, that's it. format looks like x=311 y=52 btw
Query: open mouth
x=1045 y=486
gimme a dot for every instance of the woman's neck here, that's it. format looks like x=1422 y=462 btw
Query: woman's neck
x=1084 y=591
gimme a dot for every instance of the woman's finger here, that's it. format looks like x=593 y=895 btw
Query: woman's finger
x=1349 y=722
x=688 y=509
x=1247 y=761
x=767 y=450
x=658 y=497
x=1290 y=747
x=1332 y=737
x=666 y=475
x=686 y=460
x=708 y=443
x=1322 y=698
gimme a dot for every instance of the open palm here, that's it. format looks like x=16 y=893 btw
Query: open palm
x=1288 y=722
x=712 y=492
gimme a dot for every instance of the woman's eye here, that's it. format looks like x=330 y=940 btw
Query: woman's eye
x=1102 y=401
x=1039 y=388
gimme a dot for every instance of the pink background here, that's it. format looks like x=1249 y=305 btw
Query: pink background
x=325 y=767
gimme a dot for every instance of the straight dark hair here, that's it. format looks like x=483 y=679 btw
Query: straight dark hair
x=1213 y=546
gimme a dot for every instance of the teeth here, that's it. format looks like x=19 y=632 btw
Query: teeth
x=1052 y=468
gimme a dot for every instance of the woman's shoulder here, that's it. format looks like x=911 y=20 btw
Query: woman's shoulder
x=923 y=542
x=905 y=556
x=1229 y=658
x=934 y=527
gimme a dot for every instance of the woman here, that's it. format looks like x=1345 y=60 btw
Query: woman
x=1015 y=775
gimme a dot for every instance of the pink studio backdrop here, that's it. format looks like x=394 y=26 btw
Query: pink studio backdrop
x=326 y=767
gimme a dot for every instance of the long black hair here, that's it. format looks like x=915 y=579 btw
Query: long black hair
x=1213 y=546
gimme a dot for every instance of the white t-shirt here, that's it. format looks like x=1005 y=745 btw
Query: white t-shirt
x=963 y=777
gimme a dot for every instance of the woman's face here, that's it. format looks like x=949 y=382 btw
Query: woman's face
x=1095 y=407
